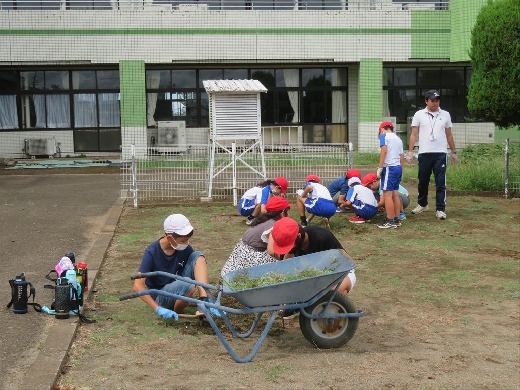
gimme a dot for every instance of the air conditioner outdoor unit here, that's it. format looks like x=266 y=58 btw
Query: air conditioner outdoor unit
x=40 y=146
x=172 y=135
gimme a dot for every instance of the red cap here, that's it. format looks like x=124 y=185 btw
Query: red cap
x=369 y=178
x=282 y=183
x=276 y=203
x=353 y=173
x=284 y=234
x=313 y=178
x=386 y=124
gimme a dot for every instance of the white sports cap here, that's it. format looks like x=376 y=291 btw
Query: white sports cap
x=353 y=180
x=178 y=224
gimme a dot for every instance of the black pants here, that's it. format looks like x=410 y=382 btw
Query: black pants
x=436 y=163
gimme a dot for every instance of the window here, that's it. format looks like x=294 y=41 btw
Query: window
x=8 y=105
x=404 y=90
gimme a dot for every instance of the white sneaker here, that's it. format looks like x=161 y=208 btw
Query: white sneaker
x=419 y=209
x=249 y=221
x=440 y=214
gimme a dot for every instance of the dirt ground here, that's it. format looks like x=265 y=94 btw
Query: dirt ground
x=458 y=330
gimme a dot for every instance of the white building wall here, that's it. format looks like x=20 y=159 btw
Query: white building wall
x=105 y=36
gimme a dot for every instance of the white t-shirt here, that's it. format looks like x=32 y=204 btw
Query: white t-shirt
x=432 y=130
x=394 y=149
x=318 y=191
x=364 y=194
x=252 y=193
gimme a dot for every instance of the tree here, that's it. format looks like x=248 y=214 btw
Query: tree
x=494 y=92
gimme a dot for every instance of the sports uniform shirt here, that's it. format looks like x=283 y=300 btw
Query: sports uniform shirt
x=364 y=194
x=261 y=194
x=154 y=259
x=318 y=191
x=401 y=190
x=394 y=149
x=434 y=123
x=338 y=185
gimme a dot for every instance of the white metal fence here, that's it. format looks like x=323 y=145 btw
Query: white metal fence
x=168 y=174
x=512 y=168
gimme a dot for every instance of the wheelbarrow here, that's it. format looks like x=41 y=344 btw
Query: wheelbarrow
x=328 y=319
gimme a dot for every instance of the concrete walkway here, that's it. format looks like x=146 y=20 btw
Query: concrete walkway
x=43 y=217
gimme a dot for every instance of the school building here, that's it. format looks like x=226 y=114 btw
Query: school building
x=87 y=76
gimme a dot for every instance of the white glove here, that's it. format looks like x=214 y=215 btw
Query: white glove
x=409 y=158
x=379 y=172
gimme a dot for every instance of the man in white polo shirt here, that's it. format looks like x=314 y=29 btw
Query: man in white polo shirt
x=433 y=126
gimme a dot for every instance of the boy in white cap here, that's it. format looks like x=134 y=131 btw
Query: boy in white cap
x=173 y=253
x=361 y=200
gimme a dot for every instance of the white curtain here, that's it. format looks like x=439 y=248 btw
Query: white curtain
x=58 y=111
x=339 y=98
x=152 y=81
x=39 y=108
x=291 y=79
x=85 y=110
x=109 y=110
x=8 y=117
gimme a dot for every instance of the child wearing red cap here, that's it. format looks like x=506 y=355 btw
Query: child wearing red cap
x=361 y=200
x=251 y=249
x=288 y=240
x=253 y=201
x=316 y=200
x=390 y=171
x=338 y=188
x=371 y=181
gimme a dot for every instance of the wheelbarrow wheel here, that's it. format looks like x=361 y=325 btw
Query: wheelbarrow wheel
x=329 y=333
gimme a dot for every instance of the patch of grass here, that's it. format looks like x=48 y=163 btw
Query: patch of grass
x=274 y=372
x=466 y=320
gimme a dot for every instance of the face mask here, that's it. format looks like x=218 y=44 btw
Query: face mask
x=179 y=247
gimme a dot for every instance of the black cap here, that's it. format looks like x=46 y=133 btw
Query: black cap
x=432 y=94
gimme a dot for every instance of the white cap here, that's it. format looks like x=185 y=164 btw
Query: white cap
x=353 y=180
x=178 y=224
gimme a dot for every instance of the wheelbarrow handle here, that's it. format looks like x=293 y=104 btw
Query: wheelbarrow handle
x=129 y=296
x=137 y=276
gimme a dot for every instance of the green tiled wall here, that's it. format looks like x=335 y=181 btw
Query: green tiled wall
x=370 y=90
x=463 y=16
x=133 y=93
x=433 y=40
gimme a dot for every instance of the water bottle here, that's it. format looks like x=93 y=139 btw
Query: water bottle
x=62 y=292
x=19 y=294
x=83 y=270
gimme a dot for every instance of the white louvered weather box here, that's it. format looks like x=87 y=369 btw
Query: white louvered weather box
x=234 y=114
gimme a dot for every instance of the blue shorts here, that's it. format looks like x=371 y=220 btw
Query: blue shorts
x=246 y=206
x=365 y=211
x=320 y=207
x=391 y=178
x=179 y=287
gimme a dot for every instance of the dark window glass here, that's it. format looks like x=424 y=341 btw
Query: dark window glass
x=158 y=79
x=210 y=74
x=34 y=112
x=286 y=113
x=37 y=5
x=287 y=78
x=8 y=81
x=84 y=79
x=404 y=77
x=235 y=74
x=107 y=79
x=267 y=108
x=86 y=140
x=284 y=4
x=265 y=76
x=80 y=4
x=313 y=107
x=204 y=109
x=453 y=77
x=263 y=4
x=5 y=5
x=184 y=79
x=57 y=80
x=429 y=78
x=109 y=140
x=402 y=103
x=31 y=81
x=313 y=78
x=388 y=77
